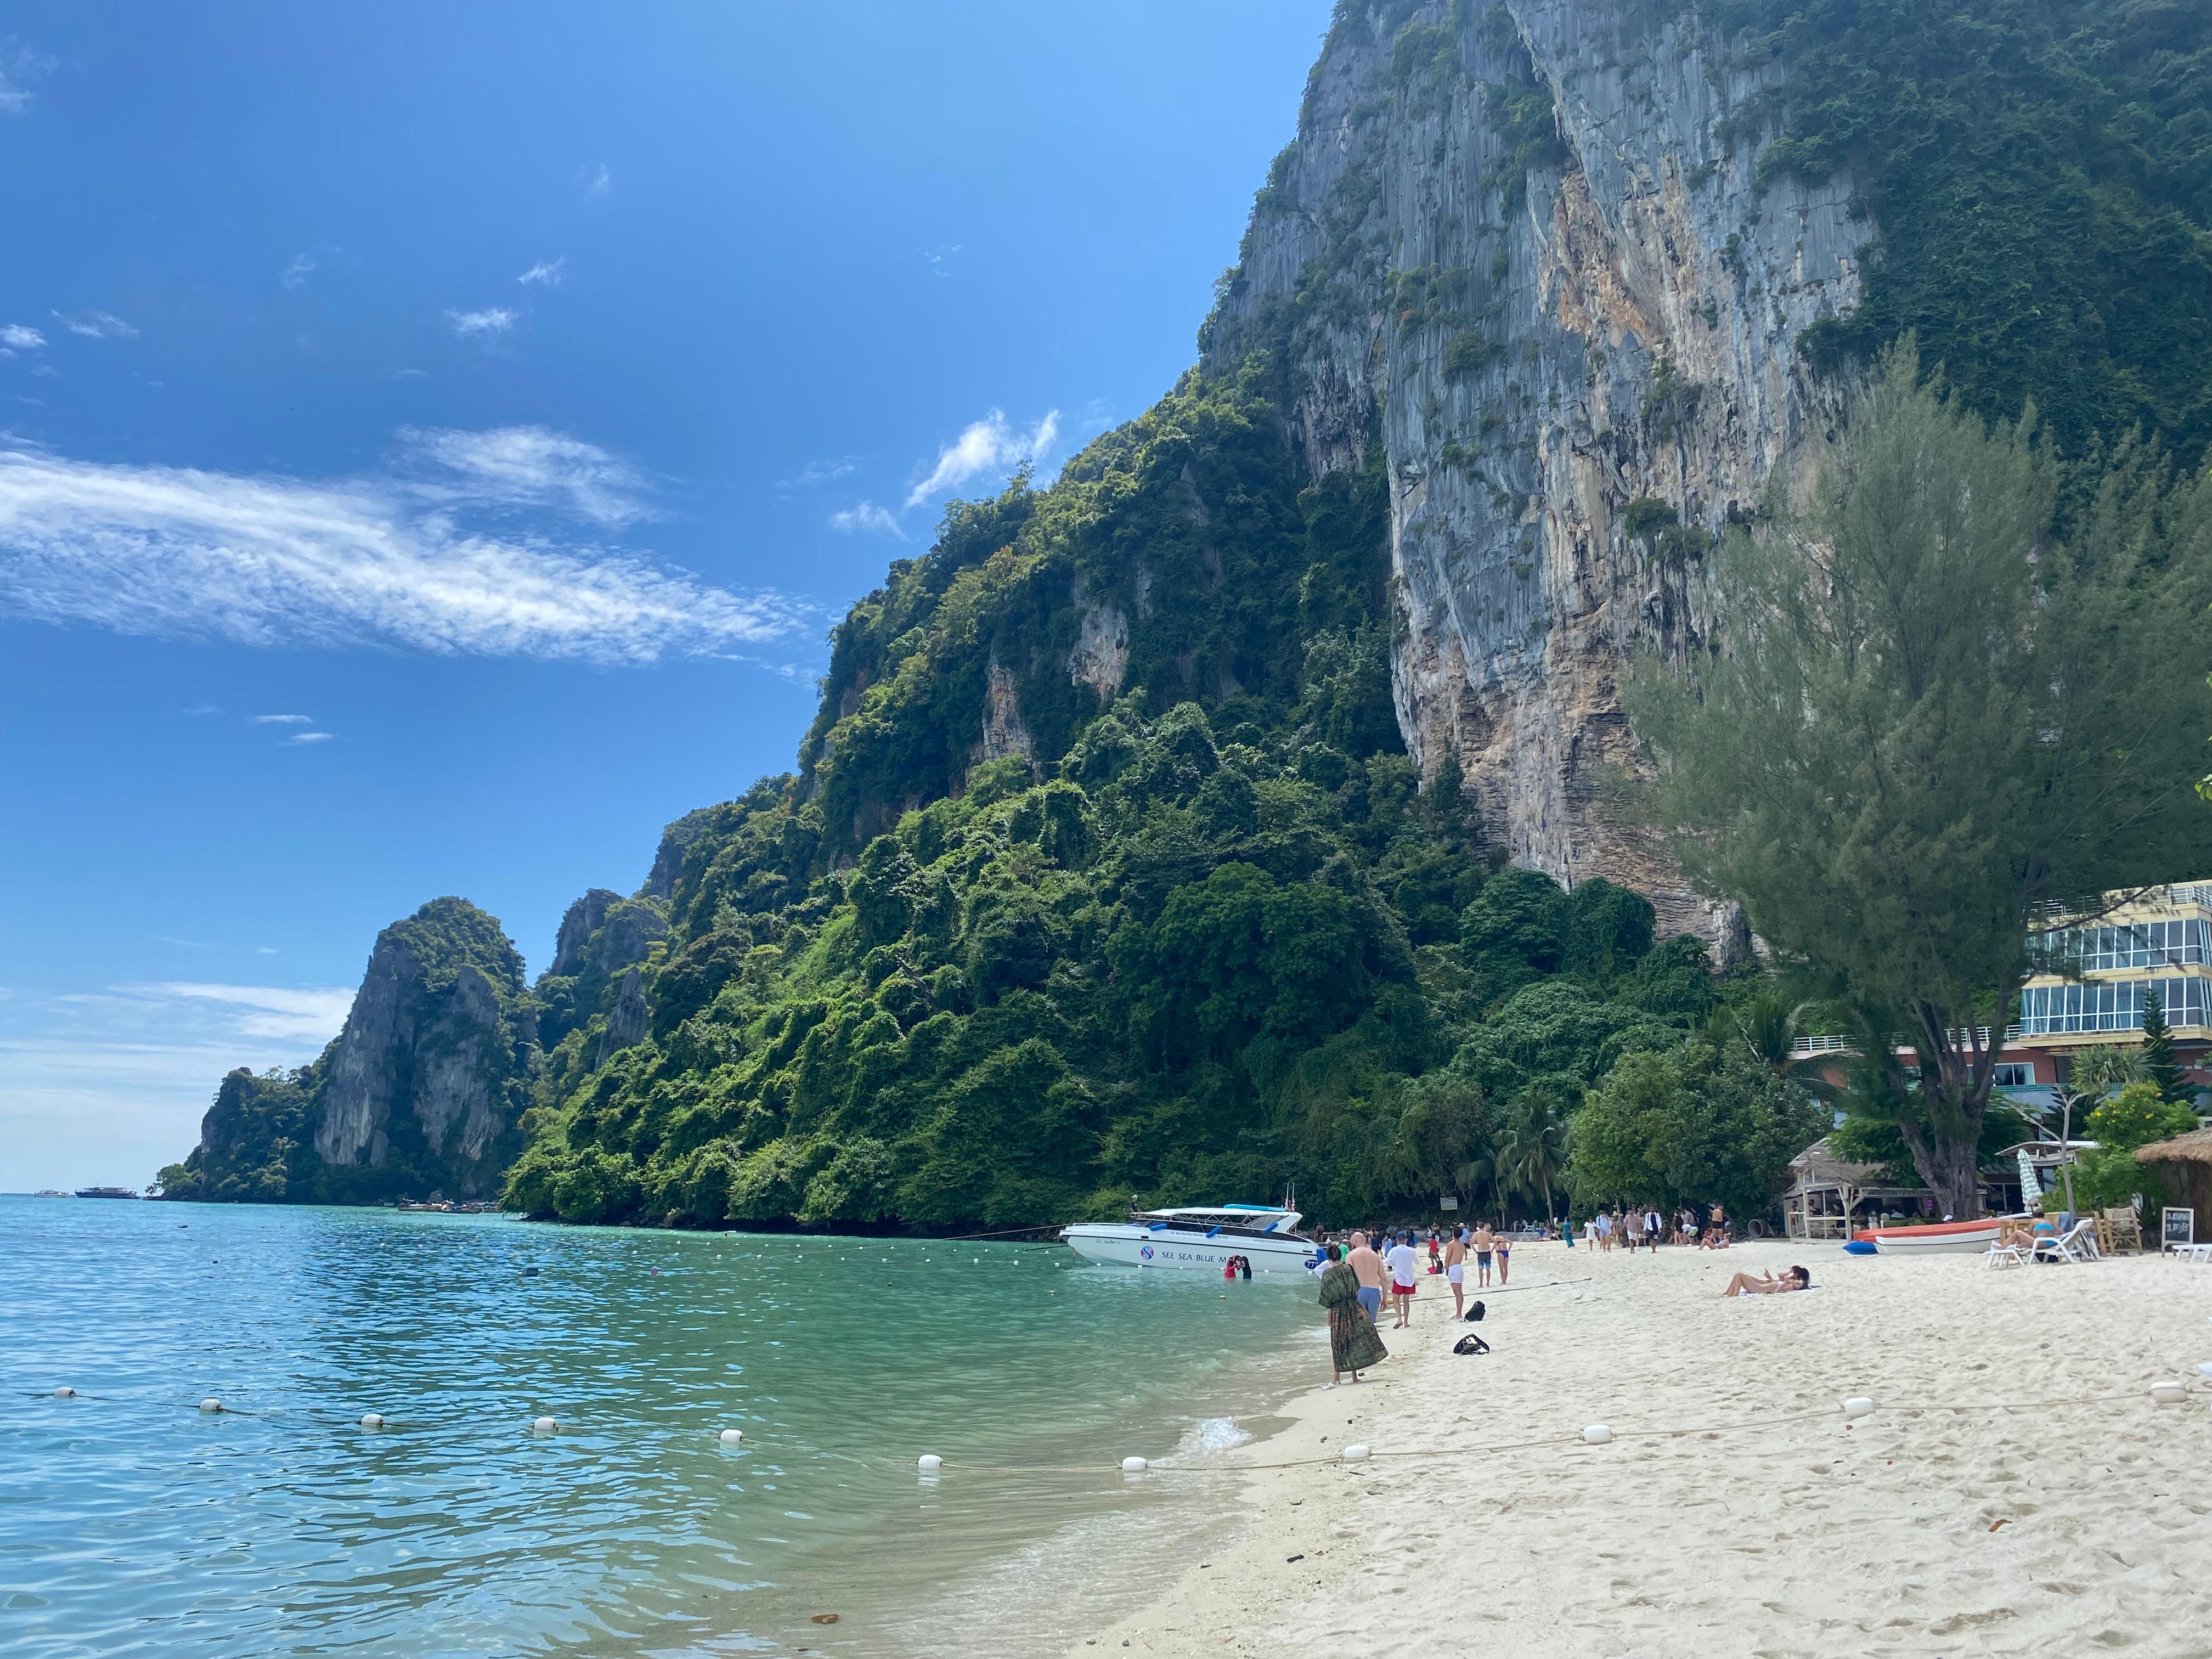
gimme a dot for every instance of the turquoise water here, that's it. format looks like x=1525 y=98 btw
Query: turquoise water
x=131 y=1522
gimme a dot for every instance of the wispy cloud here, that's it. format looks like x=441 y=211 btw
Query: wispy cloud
x=935 y=259
x=486 y=324
x=299 y=737
x=382 y=560
x=98 y=325
x=988 y=446
x=201 y=709
x=19 y=63
x=594 y=180
x=283 y=720
x=22 y=337
x=876 y=520
x=548 y=273
x=260 y=1009
x=815 y=474
x=303 y=266
x=532 y=466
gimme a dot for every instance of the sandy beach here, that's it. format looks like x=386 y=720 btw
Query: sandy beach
x=2062 y=1510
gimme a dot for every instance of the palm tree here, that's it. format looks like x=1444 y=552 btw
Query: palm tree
x=1769 y=1022
x=1532 y=1152
x=2108 y=1067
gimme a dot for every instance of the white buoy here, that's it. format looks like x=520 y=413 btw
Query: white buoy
x=731 y=1436
x=210 y=1404
x=544 y=1426
x=1596 y=1435
x=1356 y=1453
x=1857 y=1405
x=1134 y=1466
x=2170 y=1393
x=372 y=1419
x=929 y=1463
x=64 y=1392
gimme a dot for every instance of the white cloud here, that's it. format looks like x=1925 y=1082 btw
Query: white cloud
x=316 y=1013
x=595 y=178
x=98 y=325
x=303 y=267
x=19 y=63
x=267 y=560
x=310 y=737
x=21 y=338
x=107 y=1087
x=815 y=473
x=548 y=273
x=935 y=259
x=989 y=446
x=283 y=720
x=533 y=466
x=201 y=708
x=486 y=324
x=876 y=520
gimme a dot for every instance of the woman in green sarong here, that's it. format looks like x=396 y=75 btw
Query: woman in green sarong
x=1353 y=1344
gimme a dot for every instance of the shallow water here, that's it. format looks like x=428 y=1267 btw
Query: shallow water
x=129 y=1523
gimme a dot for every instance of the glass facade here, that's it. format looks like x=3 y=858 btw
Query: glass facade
x=2048 y=1009
x=2138 y=944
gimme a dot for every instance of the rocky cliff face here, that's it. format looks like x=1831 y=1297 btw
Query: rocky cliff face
x=1525 y=248
x=422 y=1093
x=431 y=1073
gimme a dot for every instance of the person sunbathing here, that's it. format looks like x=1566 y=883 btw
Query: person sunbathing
x=1765 y=1284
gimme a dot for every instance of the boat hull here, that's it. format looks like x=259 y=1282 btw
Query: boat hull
x=1127 y=1245
x=1947 y=1238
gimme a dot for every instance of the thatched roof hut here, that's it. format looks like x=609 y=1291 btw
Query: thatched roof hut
x=2186 y=1162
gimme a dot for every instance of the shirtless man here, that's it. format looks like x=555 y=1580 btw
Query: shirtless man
x=1485 y=1244
x=1456 y=1272
x=1367 y=1268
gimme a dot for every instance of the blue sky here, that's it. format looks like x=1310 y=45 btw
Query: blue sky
x=434 y=441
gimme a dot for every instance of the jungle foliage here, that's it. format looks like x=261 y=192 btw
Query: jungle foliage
x=1197 y=933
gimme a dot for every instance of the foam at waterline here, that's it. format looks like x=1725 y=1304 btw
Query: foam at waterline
x=1211 y=1435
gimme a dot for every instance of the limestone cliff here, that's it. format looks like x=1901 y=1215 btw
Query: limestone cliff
x=1525 y=246
x=422 y=1092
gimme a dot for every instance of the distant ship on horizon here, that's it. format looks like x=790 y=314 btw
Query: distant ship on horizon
x=105 y=1192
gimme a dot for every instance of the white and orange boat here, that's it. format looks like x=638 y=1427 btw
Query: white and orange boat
x=1938 y=1238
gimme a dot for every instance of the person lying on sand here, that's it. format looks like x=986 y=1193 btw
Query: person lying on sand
x=1798 y=1278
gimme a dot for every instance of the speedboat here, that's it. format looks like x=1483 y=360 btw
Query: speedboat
x=1943 y=1238
x=1200 y=1238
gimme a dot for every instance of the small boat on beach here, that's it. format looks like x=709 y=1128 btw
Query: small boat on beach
x=1940 y=1238
x=1197 y=1237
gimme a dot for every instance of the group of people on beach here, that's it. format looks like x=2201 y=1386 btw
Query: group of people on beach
x=1644 y=1228
x=1356 y=1276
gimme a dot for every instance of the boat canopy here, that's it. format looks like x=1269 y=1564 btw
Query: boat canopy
x=1260 y=1218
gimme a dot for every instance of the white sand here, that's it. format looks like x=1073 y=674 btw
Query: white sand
x=1769 y=1537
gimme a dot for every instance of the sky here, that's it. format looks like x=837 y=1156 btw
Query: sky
x=436 y=441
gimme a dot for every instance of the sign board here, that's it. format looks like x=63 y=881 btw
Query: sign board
x=2179 y=1230
x=1449 y=1203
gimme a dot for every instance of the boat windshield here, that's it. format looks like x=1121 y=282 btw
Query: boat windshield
x=1252 y=1216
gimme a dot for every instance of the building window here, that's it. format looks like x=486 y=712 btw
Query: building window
x=2015 y=1077
x=2139 y=944
x=2048 y=1009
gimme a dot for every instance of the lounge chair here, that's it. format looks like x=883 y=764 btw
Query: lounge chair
x=2077 y=1243
x=2006 y=1255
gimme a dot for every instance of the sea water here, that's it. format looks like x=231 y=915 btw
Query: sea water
x=131 y=1522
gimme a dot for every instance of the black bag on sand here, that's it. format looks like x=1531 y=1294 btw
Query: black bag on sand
x=1474 y=1315
x=1470 y=1344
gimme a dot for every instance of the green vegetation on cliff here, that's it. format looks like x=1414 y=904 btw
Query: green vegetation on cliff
x=418 y=1095
x=2038 y=180
x=1195 y=934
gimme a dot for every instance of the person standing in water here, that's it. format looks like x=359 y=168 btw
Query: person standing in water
x=1367 y=1267
x=1456 y=1272
x=1353 y=1343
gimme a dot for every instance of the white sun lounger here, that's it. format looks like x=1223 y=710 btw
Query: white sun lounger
x=2077 y=1243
